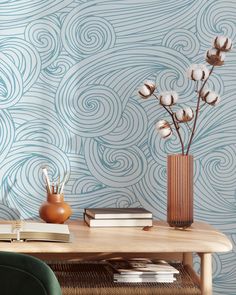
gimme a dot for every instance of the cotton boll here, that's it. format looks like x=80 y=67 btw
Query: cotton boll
x=163 y=128
x=220 y=40
x=198 y=72
x=151 y=84
x=144 y=91
x=168 y=98
x=162 y=124
x=190 y=69
x=179 y=115
x=222 y=43
x=174 y=96
x=205 y=71
x=210 y=97
x=165 y=99
x=164 y=133
x=184 y=115
x=147 y=89
x=215 y=57
x=189 y=113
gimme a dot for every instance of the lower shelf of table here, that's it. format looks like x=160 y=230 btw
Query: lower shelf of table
x=91 y=278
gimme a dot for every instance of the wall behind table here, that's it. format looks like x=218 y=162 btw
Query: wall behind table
x=69 y=72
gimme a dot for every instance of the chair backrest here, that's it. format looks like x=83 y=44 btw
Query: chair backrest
x=22 y=274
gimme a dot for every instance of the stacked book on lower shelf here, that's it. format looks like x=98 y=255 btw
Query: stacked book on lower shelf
x=143 y=271
x=90 y=278
x=117 y=217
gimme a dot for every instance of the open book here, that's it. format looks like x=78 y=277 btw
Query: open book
x=34 y=231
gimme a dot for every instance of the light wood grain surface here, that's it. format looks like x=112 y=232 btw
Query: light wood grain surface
x=200 y=237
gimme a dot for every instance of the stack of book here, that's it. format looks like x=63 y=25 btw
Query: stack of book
x=142 y=271
x=112 y=217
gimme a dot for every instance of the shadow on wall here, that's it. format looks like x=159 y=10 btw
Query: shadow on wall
x=8 y=213
x=12 y=207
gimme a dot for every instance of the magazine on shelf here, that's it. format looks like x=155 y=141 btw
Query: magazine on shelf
x=143 y=271
x=144 y=280
x=118 y=213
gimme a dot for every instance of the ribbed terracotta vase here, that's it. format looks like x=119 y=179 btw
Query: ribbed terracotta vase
x=55 y=209
x=180 y=190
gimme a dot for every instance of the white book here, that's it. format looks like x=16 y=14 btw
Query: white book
x=146 y=275
x=116 y=222
x=118 y=213
x=144 y=280
x=149 y=269
x=37 y=231
x=135 y=270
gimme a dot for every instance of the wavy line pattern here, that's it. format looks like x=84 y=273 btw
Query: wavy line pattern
x=16 y=14
x=94 y=110
x=44 y=35
x=69 y=74
x=25 y=57
x=115 y=167
x=86 y=35
x=183 y=41
x=215 y=18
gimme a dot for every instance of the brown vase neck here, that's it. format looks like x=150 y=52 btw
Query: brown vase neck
x=55 y=198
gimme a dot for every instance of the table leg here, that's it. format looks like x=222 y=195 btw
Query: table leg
x=188 y=258
x=206 y=273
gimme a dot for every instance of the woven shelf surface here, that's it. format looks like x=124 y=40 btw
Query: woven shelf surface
x=91 y=278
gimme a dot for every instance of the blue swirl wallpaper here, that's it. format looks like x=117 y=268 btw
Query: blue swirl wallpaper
x=69 y=74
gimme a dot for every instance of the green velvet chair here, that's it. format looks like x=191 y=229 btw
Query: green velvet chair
x=22 y=274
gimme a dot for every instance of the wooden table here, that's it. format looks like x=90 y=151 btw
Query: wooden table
x=161 y=241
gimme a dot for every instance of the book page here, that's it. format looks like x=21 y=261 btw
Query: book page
x=6 y=232
x=5 y=228
x=45 y=227
x=45 y=232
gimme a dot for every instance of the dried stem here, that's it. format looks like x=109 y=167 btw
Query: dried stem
x=200 y=108
x=197 y=85
x=197 y=111
x=171 y=113
x=189 y=126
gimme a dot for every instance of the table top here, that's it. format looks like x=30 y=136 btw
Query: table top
x=161 y=238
